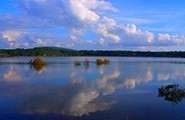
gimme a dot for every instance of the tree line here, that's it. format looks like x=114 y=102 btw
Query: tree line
x=56 y=51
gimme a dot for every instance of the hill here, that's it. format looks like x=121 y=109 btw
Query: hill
x=37 y=51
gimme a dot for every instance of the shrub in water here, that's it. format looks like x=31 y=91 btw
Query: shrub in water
x=100 y=61
x=106 y=61
x=38 y=61
x=38 y=64
x=171 y=93
x=77 y=63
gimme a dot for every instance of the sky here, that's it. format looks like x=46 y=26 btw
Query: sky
x=145 y=25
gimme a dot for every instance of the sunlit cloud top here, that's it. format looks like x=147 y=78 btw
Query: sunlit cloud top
x=93 y=24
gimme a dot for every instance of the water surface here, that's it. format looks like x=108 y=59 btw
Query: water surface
x=125 y=89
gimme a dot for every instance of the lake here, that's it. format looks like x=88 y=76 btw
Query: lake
x=125 y=89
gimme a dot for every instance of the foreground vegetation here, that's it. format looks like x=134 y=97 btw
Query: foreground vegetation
x=171 y=93
x=55 y=51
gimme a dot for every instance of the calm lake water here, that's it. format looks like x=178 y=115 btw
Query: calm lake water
x=126 y=89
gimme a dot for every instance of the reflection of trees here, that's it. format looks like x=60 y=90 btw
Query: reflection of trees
x=171 y=93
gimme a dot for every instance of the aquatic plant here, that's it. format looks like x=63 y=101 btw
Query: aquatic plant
x=101 y=62
x=38 y=64
x=38 y=61
x=87 y=62
x=1 y=63
x=171 y=93
x=77 y=63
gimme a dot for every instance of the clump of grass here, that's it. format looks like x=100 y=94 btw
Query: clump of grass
x=77 y=63
x=38 y=61
x=102 y=62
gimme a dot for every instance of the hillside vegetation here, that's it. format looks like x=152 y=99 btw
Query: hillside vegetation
x=57 y=51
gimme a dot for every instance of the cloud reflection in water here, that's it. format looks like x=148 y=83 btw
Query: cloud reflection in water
x=77 y=96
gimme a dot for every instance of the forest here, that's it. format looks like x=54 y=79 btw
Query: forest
x=58 y=52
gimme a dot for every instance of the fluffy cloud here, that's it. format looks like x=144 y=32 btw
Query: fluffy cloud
x=133 y=36
x=104 y=28
x=72 y=37
x=78 y=17
x=162 y=37
x=3 y=42
x=101 y=41
x=87 y=11
x=10 y=35
x=14 y=39
x=84 y=8
x=170 y=40
x=73 y=15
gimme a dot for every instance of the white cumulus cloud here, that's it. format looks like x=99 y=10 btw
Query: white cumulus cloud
x=76 y=17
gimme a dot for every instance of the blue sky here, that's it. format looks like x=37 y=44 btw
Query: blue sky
x=156 y=25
